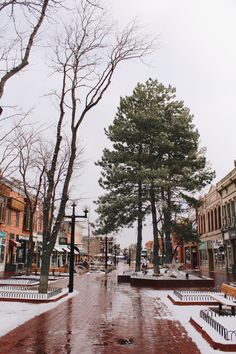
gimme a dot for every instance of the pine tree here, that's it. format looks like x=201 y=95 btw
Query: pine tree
x=155 y=160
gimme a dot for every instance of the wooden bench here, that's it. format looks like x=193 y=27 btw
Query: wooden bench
x=52 y=270
x=228 y=290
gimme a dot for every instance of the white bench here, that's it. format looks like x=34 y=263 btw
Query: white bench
x=222 y=300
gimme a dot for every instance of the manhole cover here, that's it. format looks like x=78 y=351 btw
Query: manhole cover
x=125 y=341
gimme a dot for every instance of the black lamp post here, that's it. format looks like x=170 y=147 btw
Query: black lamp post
x=106 y=253
x=72 y=244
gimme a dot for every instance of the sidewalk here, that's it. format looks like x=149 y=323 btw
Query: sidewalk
x=106 y=317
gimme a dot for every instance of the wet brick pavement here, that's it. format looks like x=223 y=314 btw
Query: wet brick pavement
x=105 y=318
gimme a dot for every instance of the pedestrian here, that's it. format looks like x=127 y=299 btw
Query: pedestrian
x=144 y=265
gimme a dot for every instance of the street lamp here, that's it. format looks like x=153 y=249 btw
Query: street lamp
x=72 y=244
x=106 y=253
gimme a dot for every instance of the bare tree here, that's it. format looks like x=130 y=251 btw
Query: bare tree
x=20 y=22
x=8 y=154
x=86 y=58
x=31 y=172
x=33 y=158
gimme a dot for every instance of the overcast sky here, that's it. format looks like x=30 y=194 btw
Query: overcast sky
x=196 y=54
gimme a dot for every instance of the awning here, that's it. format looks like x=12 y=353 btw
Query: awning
x=14 y=243
x=75 y=251
x=65 y=248
x=58 y=249
x=103 y=255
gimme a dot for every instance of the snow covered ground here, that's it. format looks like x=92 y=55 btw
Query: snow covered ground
x=13 y=314
x=183 y=314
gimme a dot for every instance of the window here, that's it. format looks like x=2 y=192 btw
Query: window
x=9 y=217
x=26 y=218
x=2 y=209
x=17 y=218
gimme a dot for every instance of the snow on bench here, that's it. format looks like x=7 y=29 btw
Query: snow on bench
x=222 y=300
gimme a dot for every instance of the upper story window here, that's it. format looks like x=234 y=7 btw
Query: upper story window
x=9 y=217
x=26 y=218
x=17 y=218
x=2 y=209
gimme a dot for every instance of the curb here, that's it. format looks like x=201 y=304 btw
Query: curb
x=34 y=301
x=211 y=342
x=190 y=303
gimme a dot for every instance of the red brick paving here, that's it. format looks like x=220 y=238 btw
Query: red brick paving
x=98 y=320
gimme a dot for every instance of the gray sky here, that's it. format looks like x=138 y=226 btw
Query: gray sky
x=196 y=54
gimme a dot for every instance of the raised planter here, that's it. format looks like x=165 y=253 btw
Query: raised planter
x=171 y=284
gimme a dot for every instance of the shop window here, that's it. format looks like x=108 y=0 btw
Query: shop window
x=2 y=249
x=219 y=258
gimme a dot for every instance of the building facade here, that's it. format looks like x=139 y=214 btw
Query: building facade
x=217 y=226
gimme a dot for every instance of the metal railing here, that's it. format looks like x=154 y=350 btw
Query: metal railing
x=17 y=282
x=194 y=295
x=207 y=316
x=9 y=292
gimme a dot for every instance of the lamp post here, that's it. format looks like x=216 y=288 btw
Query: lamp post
x=106 y=253
x=72 y=244
x=115 y=252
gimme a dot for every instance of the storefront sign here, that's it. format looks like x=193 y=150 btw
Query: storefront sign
x=22 y=237
x=226 y=236
x=2 y=234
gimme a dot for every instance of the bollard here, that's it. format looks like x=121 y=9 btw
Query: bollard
x=187 y=276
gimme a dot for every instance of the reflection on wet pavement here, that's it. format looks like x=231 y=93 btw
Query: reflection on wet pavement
x=104 y=318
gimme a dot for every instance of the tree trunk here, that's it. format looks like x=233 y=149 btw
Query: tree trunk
x=156 y=269
x=140 y=227
x=167 y=228
x=163 y=248
x=43 y=284
x=31 y=243
x=30 y=255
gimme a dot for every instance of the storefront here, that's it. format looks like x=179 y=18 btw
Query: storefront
x=203 y=255
x=216 y=255
x=2 y=250
x=22 y=252
x=230 y=247
x=191 y=257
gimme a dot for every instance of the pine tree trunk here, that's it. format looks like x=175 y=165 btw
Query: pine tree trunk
x=156 y=269
x=167 y=223
x=162 y=249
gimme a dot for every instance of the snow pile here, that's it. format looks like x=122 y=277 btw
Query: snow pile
x=13 y=314
x=183 y=314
